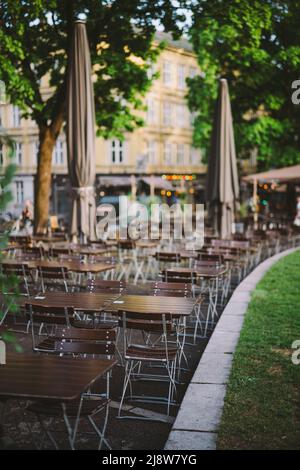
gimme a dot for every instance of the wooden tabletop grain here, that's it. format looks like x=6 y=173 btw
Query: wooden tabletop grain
x=34 y=376
x=94 y=302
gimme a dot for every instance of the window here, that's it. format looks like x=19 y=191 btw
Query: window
x=58 y=153
x=194 y=156
x=16 y=116
x=1 y=155
x=180 y=154
x=35 y=152
x=19 y=192
x=151 y=151
x=117 y=151
x=167 y=113
x=18 y=150
x=180 y=115
x=151 y=111
x=167 y=73
x=192 y=72
x=180 y=77
x=192 y=117
x=168 y=153
x=151 y=70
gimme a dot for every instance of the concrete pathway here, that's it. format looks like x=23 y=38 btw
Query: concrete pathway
x=196 y=424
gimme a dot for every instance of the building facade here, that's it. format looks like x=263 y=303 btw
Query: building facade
x=162 y=147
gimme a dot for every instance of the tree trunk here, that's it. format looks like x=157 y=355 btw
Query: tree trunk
x=43 y=180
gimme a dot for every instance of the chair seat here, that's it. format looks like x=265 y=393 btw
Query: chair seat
x=89 y=407
x=141 y=352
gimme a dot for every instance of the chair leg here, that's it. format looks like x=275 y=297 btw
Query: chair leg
x=128 y=370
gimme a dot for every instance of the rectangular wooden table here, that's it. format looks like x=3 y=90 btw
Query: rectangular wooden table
x=74 y=266
x=49 y=377
x=176 y=306
x=94 y=302
x=87 y=301
x=42 y=377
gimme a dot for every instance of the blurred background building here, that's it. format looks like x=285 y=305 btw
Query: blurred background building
x=158 y=158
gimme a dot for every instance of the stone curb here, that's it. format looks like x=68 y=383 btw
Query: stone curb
x=197 y=421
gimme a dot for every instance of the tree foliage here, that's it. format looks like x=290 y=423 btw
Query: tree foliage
x=256 y=47
x=9 y=287
x=35 y=37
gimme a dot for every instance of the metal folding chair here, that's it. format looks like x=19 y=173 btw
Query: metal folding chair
x=138 y=356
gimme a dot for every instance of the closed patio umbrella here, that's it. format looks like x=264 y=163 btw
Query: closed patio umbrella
x=81 y=136
x=222 y=186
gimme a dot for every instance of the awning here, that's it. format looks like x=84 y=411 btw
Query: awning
x=158 y=182
x=284 y=175
x=107 y=181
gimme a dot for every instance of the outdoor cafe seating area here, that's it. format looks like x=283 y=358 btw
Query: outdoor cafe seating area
x=130 y=309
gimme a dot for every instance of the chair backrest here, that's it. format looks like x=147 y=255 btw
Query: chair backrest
x=69 y=257
x=98 y=285
x=20 y=239
x=85 y=341
x=221 y=243
x=178 y=276
x=42 y=316
x=210 y=259
x=55 y=252
x=168 y=257
x=54 y=274
x=16 y=269
x=20 y=271
x=126 y=244
x=173 y=289
x=102 y=259
x=49 y=315
x=37 y=251
x=240 y=244
x=150 y=322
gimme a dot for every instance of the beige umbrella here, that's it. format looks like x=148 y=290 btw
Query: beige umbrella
x=222 y=186
x=81 y=136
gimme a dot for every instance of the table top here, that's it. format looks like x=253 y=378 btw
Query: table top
x=94 y=302
x=51 y=377
x=84 y=250
x=87 y=301
x=202 y=271
x=176 y=306
x=75 y=266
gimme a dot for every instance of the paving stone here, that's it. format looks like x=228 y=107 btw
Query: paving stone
x=223 y=341
x=189 y=440
x=235 y=308
x=230 y=323
x=201 y=408
x=240 y=296
x=214 y=368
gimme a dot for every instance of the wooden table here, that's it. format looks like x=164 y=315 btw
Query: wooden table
x=87 y=301
x=93 y=302
x=33 y=376
x=49 y=377
x=74 y=266
x=176 y=306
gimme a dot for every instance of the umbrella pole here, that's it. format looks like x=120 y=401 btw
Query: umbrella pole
x=255 y=214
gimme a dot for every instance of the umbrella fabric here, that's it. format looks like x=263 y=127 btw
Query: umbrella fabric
x=81 y=136
x=222 y=186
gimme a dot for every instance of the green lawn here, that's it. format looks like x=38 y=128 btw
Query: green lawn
x=262 y=404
